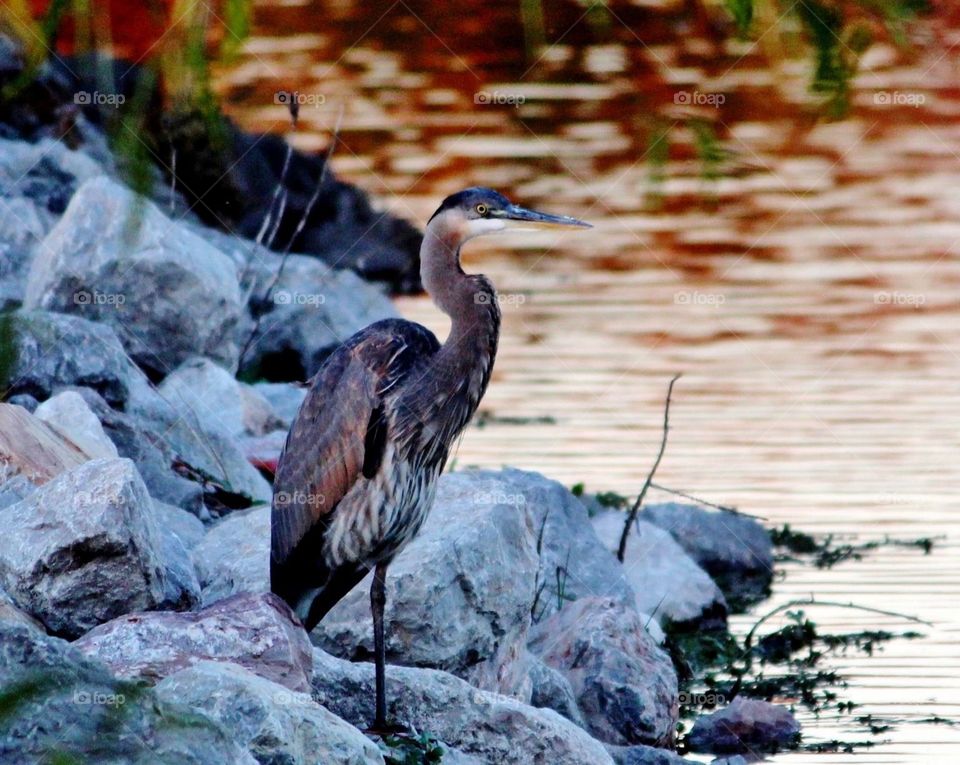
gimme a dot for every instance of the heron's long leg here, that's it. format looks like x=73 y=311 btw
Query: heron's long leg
x=378 y=599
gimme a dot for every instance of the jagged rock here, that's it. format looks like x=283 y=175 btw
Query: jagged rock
x=22 y=225
x=221 y=402
x=30 y=449
x=486 y=725
x=285 y=399
x=667 y=582
x=551 y=690
x=186 y=526
x=15 y=489
x=72 y=418
x=638 y=754
x=69 y=701
x=182 y=590
x=85 y=548
x=24 y=400
x=734 y=549
x=274 y=723
x=485 y=560
x=313 y=309
x=744 y=726
x=11 y=613
x=566 y=540
x=166 y=292
x=462 y=588
x=56 y=351
x=258 y=632
x=234 y=555
x=151 y=452
x=625 y=685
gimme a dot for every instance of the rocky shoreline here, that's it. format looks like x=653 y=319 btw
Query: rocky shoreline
x=135 y=622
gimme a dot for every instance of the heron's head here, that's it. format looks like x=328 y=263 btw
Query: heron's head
x=477 y=211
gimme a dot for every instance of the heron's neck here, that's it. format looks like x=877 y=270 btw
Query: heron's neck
x=469 y=301
x=465 y=299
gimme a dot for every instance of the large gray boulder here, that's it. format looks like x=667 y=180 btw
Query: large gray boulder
x=489 y=726
x=667 y=582
x=234 y=555
x=258 y=632
x=734 y=549
x=464 y=587
x=313 y=308
x=66 y=708
x=118 y=260
x=747 y=726
x=625 y=684
x=85 y=548
x=485 y=563
x=275 y=724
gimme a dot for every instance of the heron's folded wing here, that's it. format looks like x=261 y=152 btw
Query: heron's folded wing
x=340 y=421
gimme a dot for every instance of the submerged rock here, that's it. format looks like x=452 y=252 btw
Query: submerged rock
x=275 y=724
x=625 y=685
x=85 y=548
x=120 y=261
x=746 y=725
x=258 y=632
x=667 y=582
x=489 y=726
x=734 y=549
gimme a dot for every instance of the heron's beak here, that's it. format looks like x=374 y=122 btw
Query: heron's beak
x=520 y=218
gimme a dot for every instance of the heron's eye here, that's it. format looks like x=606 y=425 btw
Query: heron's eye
x=481 y=209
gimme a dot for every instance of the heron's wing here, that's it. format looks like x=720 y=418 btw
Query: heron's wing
x=340 y=432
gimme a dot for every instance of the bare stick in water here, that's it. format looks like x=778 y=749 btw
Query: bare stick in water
x=632 y=516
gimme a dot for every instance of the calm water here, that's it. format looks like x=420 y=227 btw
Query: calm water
x=809 y=297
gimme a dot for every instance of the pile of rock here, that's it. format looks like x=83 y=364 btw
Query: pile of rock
x=137 y=525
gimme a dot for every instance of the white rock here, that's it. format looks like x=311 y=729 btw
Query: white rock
x=69 y=414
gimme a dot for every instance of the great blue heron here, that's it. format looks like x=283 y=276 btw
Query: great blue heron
x=359 y=469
